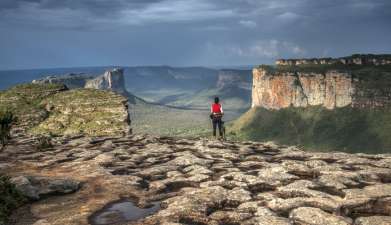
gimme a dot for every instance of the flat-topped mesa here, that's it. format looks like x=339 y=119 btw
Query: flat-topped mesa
x=331 y=86
x=71 y=80
x=357 y=59
x=111 y=80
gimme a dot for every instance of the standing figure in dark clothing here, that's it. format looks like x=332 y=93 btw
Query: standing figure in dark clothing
x=217 y=113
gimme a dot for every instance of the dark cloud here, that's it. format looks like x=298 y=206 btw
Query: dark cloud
x=75 y=4
x=13 y=4
x=187 y=32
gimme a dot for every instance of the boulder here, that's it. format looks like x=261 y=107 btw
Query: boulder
x=35 y=188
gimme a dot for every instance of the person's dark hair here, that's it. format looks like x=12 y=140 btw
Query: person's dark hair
x=217 y=100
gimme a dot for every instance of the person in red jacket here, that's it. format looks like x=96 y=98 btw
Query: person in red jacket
x=217 y=113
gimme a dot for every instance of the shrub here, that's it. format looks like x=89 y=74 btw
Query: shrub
x=44 y=142
x=10 y=198
x=7 y=119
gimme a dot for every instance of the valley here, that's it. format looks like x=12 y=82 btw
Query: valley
x=162 y=100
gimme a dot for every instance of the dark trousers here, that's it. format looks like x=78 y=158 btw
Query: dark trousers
x=217 y=123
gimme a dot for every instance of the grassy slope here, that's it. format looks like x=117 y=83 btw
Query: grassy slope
x=316 y=128
x=88 y=111
x=25 y=101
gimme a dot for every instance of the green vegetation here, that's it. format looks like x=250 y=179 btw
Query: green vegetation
x=7 y=119
x=84 y=111
x=51 y=109
x=316 y=128
x=168 y=121
x=371 y=56
x=365 y=72
x=24 y=101
x=10 y=199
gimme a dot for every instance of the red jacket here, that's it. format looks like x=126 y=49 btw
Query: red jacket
x=216 y=108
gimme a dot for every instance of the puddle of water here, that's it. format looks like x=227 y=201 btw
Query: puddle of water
x=122 y=211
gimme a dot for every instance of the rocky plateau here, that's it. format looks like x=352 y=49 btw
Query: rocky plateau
x=196 y=181
x=357 y=59
x=360 y=81
x=112 y=80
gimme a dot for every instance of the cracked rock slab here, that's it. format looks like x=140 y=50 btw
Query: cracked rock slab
x=315 y=216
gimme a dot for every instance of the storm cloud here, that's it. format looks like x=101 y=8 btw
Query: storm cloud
x=51 y=33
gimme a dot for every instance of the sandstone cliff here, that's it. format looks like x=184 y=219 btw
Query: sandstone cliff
x=330 y=86
x=330 y=90
x=111 y=80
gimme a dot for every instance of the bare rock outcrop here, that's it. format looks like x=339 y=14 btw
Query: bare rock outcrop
x=111 y=80
x=204 y=182
x=37 y=187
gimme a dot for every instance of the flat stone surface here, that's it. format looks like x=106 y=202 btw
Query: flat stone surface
x=315 y=216
x=197 y=181
x=373 y=220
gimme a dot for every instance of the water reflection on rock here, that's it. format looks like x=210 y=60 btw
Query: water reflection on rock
x=122 y=211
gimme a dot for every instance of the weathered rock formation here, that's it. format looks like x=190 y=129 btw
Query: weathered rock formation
x=330 y=90
x=199 y=182
x=35 y=188
x=111 y=80
x=314 y=85
x=358 y=59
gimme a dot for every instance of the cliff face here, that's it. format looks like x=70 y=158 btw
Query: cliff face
x=110 y=80
x=306 y=83
x=330 y=90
